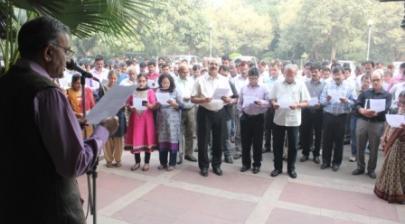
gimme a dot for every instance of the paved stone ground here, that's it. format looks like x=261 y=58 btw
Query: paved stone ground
x=183 y=196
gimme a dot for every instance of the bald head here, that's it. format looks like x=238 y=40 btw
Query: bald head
x=376 y=79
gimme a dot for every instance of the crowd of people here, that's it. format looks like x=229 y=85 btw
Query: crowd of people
x=234 y=109
x=241 y=110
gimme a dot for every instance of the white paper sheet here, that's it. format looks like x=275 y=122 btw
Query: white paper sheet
x=395 y=120
x=137 y=103
x=152 y=84
x=162 y=98
x=377 y=105
x=335 y=96
x=248 y=100
x=313 y=101
x=285 y=102
x=219 y=93
x=110 y=103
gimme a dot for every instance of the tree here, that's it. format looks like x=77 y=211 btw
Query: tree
x=84 y=18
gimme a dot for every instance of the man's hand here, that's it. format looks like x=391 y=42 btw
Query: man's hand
x=343 y=100
x=111 y=123
x=367 y=113
x=328 y=98
x=294 y=106
x=275 y=105
x=207 y=99
x=226 y=99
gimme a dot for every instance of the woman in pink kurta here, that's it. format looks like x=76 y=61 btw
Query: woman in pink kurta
x=141 y=135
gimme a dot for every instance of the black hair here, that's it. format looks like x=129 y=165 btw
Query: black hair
x=75 y=77
x=152 y=63
x=142 y=65
x=325 y=68
x=99 y=58
x=315 y=66
x=36 y=34
x=196 y=67
x=369 y=62
x=402 y=65
x=337 y=69
x=347 y=68
x=224 y=68
x=253 y=72
x=171 y=80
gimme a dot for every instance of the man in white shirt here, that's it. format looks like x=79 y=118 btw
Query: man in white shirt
x=101 y=74
x=268 y=82
x=287 y=97
x=239 y=81
x=185 y=84
x=210 y=116
x=131 y=80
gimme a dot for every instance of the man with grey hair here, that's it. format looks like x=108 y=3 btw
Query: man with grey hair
x=40 y=133
x=287 y=98
x=370 y=123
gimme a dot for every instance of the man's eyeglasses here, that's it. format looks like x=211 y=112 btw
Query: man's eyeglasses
x=68 y=52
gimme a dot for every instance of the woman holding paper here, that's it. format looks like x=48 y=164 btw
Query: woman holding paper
x=141 y=128
x=390 y=184
x=168 y=121
x=74 y=95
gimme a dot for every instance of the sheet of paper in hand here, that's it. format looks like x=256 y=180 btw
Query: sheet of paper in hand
x=219 y=93
x=110 y=103
x=395 y=120
x=377 y=105
x=162 y=98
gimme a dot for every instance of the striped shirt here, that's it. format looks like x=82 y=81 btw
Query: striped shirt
x=335 y=106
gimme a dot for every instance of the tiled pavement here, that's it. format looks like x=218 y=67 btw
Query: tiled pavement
x=183 y=196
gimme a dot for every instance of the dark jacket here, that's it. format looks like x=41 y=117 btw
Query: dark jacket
x=31 y=191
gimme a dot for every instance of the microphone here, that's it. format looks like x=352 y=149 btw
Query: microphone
x=71 y=65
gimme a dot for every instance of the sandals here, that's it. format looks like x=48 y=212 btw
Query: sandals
x=135 y=166
x=145 y=167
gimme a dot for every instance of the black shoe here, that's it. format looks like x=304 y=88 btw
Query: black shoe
x=228 y=159
x=292 y=174
x=190 y=158
x=204 y=172
x=304 y=158
x=237 y=156
x=256 y=169
x=217 y=171
x=275 y=173
x=316 y=160
x=244 y=169
x=324 y=166
x=335 y=167
x=357 y=172
x=180 y=161
x=372 y=174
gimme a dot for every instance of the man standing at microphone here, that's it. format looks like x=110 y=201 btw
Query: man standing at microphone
x=40 y=134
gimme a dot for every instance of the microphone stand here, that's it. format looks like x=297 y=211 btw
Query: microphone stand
x=93 y=172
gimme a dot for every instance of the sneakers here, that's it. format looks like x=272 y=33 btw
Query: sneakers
x=352 y=159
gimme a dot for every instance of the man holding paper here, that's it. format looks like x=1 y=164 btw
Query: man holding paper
x=371 y=106
x=337 y=98
x=312 y=116
x=211 y=92
x=287 y=97
x=253 y=103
